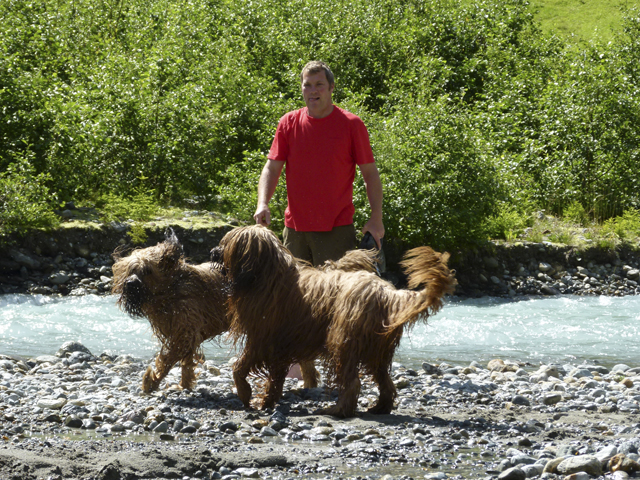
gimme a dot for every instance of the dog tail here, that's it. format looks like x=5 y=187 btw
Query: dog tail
x=426 y=269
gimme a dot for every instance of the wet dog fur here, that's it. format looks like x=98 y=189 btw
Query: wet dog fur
x=289 y=312
x=184 y=303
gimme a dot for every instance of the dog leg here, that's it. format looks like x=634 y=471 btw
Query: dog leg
x=310 y=375
x=164 y=363
x=241 y=370
x=275 y=384
x=188 y=377
x=347 y=396
x=387 y=393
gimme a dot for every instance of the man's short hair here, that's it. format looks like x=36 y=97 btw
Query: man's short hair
x=316 y=66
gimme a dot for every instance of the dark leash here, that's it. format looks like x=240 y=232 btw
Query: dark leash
x=369 y=243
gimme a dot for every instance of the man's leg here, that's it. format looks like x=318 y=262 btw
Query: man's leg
x=297 y=244
x=332 y=245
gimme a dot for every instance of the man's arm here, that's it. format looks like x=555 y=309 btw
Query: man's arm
x=373 y=184
x=266 y=188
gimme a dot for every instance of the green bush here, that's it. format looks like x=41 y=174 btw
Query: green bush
x=469 y=105
x=25 y=201
x=507 y=223
x=575 y=212
x=626 y=227
x=137 y=208
x=439 y=184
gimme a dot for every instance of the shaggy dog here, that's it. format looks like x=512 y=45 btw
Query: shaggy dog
x=288 y=312
x=184 y=303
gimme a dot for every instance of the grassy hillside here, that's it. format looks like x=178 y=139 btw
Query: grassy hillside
x=582 y=19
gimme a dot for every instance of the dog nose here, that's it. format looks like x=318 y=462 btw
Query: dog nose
x=132 y=285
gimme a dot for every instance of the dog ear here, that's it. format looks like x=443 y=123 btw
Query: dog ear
x=170 y=236
x=120 y=252
x=172 y=251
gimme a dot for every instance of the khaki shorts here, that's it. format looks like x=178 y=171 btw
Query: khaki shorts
x=317 y=247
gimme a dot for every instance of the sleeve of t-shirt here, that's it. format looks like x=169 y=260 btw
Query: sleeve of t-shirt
x=362 y=152
x=280 y=146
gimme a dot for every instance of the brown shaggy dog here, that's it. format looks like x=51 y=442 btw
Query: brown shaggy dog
x=288 y=312
x=184 y=303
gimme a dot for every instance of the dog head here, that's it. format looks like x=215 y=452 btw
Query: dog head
x=138 y=276
x=249 y=254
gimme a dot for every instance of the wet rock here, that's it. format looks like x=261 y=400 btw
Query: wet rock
x=68 y=348
x=59 y=278
x=513 y=473
x=73 y=422
x=581 y=463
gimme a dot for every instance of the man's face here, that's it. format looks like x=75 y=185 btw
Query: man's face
x=316 y=92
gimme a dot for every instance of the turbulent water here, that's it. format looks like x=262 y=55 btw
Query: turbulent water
x=558 y=329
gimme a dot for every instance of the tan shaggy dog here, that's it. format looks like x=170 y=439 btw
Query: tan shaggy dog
x=287 y=312
x=184 y=303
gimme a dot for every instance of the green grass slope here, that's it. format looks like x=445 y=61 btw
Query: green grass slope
x=582 y=20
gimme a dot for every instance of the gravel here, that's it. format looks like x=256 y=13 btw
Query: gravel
x=80 y=416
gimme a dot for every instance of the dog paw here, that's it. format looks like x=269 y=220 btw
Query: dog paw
x=379 y=410
x=333 y=412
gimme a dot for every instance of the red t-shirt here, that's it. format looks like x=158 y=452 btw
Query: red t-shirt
x=321 y=155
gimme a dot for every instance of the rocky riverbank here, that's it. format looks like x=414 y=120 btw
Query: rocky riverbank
x=80 y=416
x=77 y=258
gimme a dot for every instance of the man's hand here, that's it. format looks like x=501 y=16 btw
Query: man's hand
x=266 y=187
x=371 y=178
x=376 y=228
x=263 y=215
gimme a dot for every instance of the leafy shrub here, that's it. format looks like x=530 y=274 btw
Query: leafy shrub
x=439 y=184
x=469 y=105
x=575 y=212
x=626 y=226
x=25 y=201
x=507 y=223
x=239 y=190
x=137 y=209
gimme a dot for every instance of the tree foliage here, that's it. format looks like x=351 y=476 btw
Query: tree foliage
x=469 y=106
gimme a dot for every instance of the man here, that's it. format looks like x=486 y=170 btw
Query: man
x=320 y=144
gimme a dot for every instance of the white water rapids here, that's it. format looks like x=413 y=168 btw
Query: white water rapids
x=559 y=329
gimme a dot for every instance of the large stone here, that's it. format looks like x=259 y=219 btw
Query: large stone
x=47 y=359
x=491 y=263
x=24 y=260
x=633 y=274
x=620 y=368
x=496 y=364
x=513 y=473
x=73 y=421
x=551 y=398
x=606 y=453
x=578 y=476
x=547 y=290
x=544 y=267
x=59 y=278
x=580 y=463
x=580 y=373
x=68 y=348
x=621 y=462
x=52 y=403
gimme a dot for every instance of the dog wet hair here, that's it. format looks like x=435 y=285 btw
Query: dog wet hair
x=184 y=304
x=288 y=312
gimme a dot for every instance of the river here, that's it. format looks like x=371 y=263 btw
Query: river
x=542 y=330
